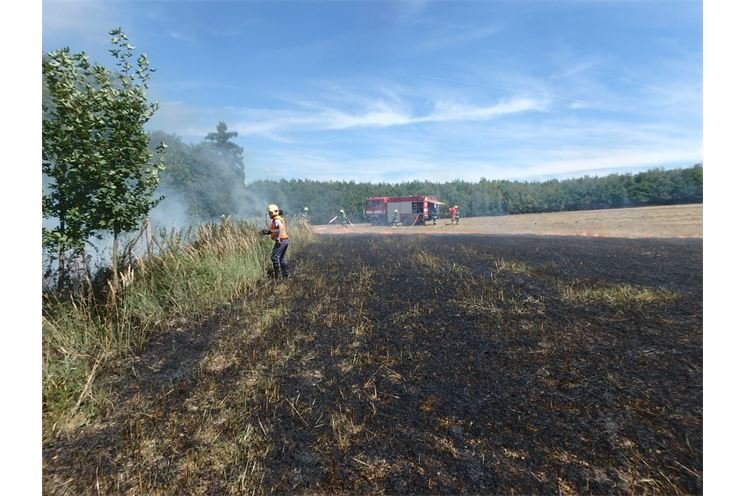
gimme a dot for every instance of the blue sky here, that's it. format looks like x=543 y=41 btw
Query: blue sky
x=394 y=91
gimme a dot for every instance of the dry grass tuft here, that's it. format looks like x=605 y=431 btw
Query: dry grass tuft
x=511 y=266
x=621 y=294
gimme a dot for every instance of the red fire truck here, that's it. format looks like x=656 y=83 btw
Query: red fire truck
x=416 y=209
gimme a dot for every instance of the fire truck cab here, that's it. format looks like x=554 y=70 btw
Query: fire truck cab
x=416 y=209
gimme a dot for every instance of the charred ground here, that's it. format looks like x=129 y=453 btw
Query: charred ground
x=420 y=364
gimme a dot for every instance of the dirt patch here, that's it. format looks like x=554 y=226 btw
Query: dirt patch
x=419 y=364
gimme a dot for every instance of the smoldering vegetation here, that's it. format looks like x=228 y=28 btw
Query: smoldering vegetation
x=425 y=365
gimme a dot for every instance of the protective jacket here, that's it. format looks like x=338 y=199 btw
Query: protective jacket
x=278 y=229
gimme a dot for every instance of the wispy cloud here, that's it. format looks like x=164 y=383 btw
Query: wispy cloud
x=378 y=114
x=403 y=165
x=179 y=36
x=594 y=161
x=445 y=111
x=532 y=146
x=513 y=138
x=390 y=115
x=456 y=36
x=574 y=69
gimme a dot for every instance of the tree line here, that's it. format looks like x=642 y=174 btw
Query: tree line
x=210 y=177
x=495 y=197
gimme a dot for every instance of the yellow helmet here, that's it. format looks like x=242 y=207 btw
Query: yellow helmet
x=272 y=209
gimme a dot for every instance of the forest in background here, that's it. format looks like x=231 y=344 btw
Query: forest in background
x=208 y=181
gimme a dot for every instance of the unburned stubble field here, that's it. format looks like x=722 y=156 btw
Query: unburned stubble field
x=420 y=364
x=673 y=221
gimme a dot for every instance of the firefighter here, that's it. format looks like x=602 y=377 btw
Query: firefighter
x=457 y=215
x=344 y=219
x=305 y=216
x=452 y=214
x=396 y=218
x=435 y=214
x=278 y=232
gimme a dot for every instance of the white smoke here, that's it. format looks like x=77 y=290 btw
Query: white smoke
x=172 y=212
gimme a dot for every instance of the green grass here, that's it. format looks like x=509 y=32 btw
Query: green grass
x=193 y=273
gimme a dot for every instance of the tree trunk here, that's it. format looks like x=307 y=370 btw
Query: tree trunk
x=149 y=238
x=61 y=268
x=115 y=265
x=61 y=257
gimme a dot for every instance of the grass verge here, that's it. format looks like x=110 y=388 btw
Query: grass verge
x=194 y=272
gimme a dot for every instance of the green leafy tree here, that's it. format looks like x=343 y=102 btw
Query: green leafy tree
x=95 y=149
x=177 y=173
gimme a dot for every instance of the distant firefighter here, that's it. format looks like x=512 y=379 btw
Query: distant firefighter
x=452 y=214
x=344 y=219
x=305 y=216
x=396 y=218
x=457 y=215
x=435 y=214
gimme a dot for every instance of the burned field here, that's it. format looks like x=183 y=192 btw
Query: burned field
x=420 y=364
